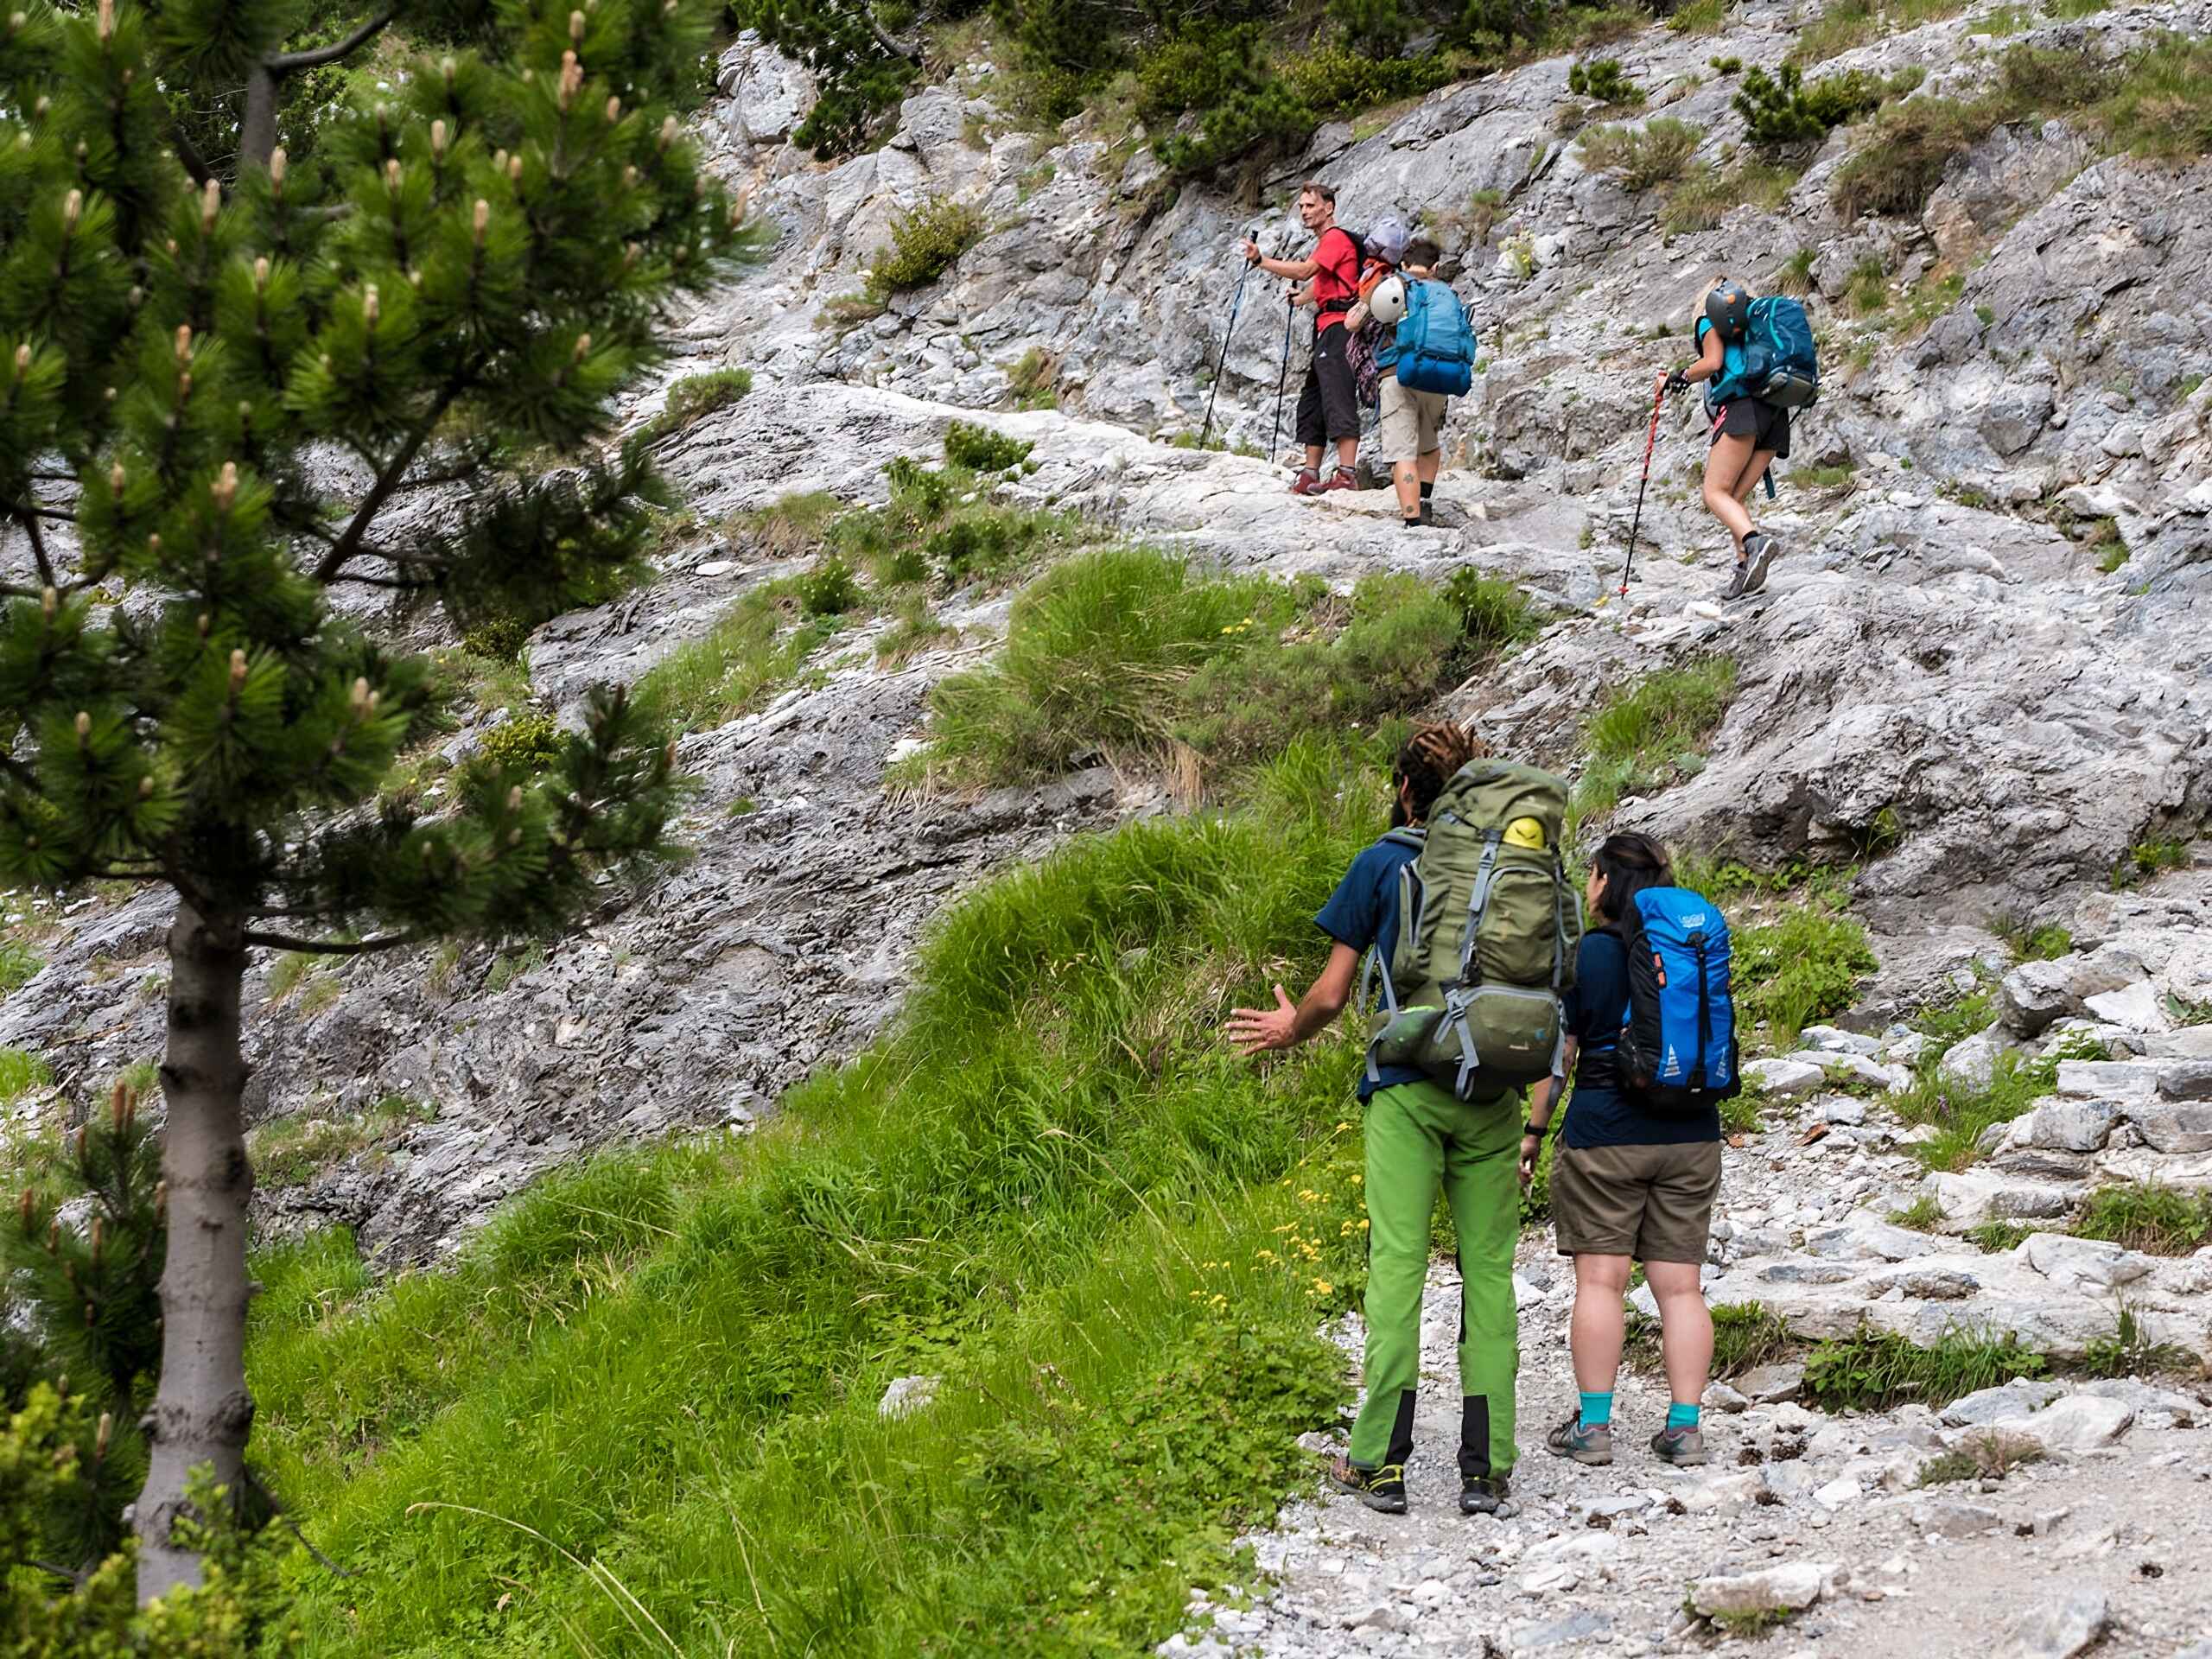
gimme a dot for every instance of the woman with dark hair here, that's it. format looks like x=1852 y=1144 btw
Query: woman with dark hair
x=1419 y=1138
x=1627 y=1184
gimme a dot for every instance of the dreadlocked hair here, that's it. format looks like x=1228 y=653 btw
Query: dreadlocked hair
x=1427 y=759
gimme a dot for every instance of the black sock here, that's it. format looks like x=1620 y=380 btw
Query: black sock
x=1414 y=523
x=1427 y=491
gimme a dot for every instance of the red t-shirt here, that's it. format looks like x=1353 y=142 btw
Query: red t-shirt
x=1338 y=278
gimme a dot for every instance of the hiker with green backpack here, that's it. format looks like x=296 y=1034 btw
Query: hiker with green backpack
x=1463 y=912
x=1651 y=1044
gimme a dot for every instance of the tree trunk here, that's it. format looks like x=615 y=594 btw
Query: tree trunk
x=257 y=132
x=203 y=1412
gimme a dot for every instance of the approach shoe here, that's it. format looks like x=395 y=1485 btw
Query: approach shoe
x=1738 y=584
x=1381 y=1490
x=1759 y=550
x=1592 y=1444
x=1306 y=482
x=1343 y=479
x=1484 y=1494
x=1684 y=1447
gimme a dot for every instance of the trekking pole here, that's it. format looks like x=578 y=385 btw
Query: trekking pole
x=1289 y=315
x=1205 y=431
x=1651 y=439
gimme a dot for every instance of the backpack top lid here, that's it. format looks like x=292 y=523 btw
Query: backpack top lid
x=1728 y=308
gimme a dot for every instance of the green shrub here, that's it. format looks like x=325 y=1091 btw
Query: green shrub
x=916 y=630
x=1641 y=158
x=1991 y=1454
x=1993 y=1237
x=1638 y=738
x=1781 y=113
x=2130 y=1352
x=1492 y=614
x=1875 y=1370
x=732 y=669
x=1334 y=79
x=1746 y=1336
x=1923 y=1215
x=2146 y=1215
x=1601 y=80
x=697 y=395
x=1702 y=17
x=2161 y=107
x=1869 y=288
x=925 y=241
x=1911 y=146
x=2149 y=858
x=829 y=589
x=1840 y=26
x=1800 y=966
x=1031 y=381
x=518 y=749
x=981 y=450
x=1701 y=200
x=498 y=639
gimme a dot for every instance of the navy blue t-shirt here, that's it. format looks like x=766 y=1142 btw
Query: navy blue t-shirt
x=1598 y=1115
x=1362 y=912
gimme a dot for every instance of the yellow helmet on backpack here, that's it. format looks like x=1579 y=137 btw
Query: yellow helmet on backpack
x=1525 y=832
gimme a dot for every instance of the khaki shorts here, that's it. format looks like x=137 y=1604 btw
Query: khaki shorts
x=1411 y=421
x=1652 y=1203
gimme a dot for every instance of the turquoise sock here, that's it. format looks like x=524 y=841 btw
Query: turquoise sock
x=1682 y=1416
x=1596 y=1408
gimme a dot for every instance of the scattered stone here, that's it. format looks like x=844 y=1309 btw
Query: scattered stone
x=2062 y=1630
x=1785 y=1079
x=1839 y=1492
x=2078 y=1264
x=2173 y=1126
x=2035 y=994
x=2080 y=1422
x=1987 y=1406
x=907 y=1394
x=1948 y=1518
x=2072 y=1125
x=1835 y=1040
x=1530 y=1635
x=1788 y=1588
x=1971 y=1062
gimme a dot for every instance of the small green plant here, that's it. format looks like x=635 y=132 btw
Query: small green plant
x=292 y=971
x=1873 y=1370
x=1923 y=1215
x=2161 y=107
x=1739 y=1115
x=1493 y=614
x=733 y=667
x=1794 y=274
x=498 y=639
x=829 y=589
x=916 y=629
x=1701 y=17
x=2004 y=20
x=1031 y=382
x=1781 y=113
x=1801 y=963
x=2147 y=1216
x=19 y=961
x=20 y=1071
x=2149 y=858
x=518 y=749
x=1841 y=476
x=1836 y=29
x=697 y=395
x=1990 y=1455
x=925 y=241
x=1724 y=66
x=2129 y=1351
x=2031 y=943
x=1755 y=1624
x=1641 y=158
x=1521 y=251
x=511 y=965
x=1869 y=288
x=1601 y=80
x=1747 y=1335
x=1702 y=199
x=981 y=450
x=1994 y=1237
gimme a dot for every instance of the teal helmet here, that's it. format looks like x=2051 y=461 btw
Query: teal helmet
x=1728 y=308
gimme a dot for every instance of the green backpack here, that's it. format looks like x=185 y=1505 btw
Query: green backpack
x=1487 y=931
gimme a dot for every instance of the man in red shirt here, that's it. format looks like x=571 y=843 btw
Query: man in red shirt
x=1328 y=403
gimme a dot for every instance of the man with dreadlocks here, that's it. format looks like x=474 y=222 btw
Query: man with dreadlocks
x=1419 y=1136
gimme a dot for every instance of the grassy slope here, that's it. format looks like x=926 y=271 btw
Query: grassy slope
x=669 y=1362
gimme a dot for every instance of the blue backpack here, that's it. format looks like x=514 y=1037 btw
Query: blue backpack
x=1677 y=1050
x=1435 y=350
x=1775 y=361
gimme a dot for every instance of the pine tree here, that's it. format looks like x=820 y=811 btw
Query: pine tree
x=226 y=388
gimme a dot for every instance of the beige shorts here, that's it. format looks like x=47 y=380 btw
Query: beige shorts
x=1652 y=1203
x=1411 y=421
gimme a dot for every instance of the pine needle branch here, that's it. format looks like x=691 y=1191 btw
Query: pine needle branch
x=350 y=543
x=38 y=546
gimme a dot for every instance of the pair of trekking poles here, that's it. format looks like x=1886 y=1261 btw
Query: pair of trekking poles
x=1221 y=362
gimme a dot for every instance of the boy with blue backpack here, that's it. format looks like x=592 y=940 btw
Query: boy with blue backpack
x=1651 y=1043
x=1428 y=357
x=1757 y=359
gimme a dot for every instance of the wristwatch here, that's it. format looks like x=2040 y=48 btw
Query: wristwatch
x=1531 y=1131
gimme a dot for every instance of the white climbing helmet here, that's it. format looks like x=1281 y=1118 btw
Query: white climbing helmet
x=1387 y=304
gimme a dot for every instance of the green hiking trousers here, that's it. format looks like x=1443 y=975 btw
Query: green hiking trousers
x=1417 y=1135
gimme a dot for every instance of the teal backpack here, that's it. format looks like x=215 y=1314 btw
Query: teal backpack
x=1435 y=349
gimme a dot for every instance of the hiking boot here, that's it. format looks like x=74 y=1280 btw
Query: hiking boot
x=1591 y=1444
x=1381 y=1490
x=1738 y=584
x=1759 y=550
x=1306 y=482
x=1684 y=1447
x=1343 y=479
x=1484 y=1494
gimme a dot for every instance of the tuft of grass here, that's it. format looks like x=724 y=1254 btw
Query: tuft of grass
x=292 y=1151
x=1841 y=476
x=829 y=589
x=1868 y=289
x=1990 y=1455
x=1874 y=1370
x=1836 y=29
x=1739 y=1115
x=1050 y=1186
x=925 y=241
x=1492 y=614
x=1800 y=961
x=2162 y=108
x=1993 y=1237
x=19 y=961
x=511 y=965
x=917 y=629
x=1700 y=17
x=1638 y=738
x=792 y=526
x=1794 y=274
x=732 y=669
x=1923 y=1215
x=2147 y=858
x=1747 y=1335
x=2029 y=944
x=2147 y=1216
x=2004 y=20
x=697 y=395
x=981 y=450
x=1642 y=158
x=2129 y=1351
x=1962 y=1116
x=20 y=1071
x=1699 y=201
x=1754 y=1624
x=1031 y=382
x=292 y=970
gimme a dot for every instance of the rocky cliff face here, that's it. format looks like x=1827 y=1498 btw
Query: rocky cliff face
x=1939 y=669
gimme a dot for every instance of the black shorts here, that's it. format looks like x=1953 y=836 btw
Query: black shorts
x=1328 y=403
x=1765 y=424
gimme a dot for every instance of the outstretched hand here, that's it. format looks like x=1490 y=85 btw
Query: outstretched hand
x=1257 y=1030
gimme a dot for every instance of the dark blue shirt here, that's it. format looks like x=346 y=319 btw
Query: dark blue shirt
x=1599 y=1115
x=1362 y=912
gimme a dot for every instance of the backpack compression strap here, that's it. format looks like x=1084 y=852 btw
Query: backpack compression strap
x=1477 y=902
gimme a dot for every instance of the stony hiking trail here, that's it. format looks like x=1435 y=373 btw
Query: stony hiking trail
x=1817 y=1521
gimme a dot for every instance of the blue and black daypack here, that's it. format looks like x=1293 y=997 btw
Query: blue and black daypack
x=1775 y=361
x=1435 y=350
x=1678 y=1038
